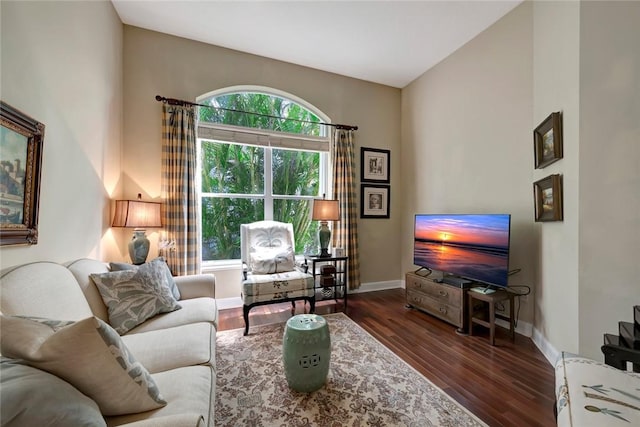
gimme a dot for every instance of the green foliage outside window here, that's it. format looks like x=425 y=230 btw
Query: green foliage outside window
x=233 y=169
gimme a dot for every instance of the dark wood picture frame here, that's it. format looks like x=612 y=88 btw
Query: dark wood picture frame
x=375 y=165
x=548 y=198
x=547 y=141
x=374 y=201
x=21 y=139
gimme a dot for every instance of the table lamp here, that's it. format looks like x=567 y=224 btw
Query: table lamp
x=325 y=210
x=138 y=215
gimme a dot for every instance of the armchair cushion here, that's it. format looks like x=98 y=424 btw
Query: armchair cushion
x=268 y=260
x=273 y=287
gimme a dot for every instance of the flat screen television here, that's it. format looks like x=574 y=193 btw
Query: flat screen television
x=469 y=246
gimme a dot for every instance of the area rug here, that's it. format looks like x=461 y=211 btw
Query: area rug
x=367 y=384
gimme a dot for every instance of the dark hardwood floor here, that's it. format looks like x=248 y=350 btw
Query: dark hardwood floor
x=509 y=384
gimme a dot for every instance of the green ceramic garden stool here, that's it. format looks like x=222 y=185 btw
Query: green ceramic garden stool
x=306 y=352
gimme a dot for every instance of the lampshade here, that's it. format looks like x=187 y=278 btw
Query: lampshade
x=325 y=210
x=137 y=214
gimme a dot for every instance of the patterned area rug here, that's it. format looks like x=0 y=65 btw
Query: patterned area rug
x=367 y=385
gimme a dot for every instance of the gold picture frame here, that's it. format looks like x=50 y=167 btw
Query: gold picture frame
x=21 y=139
x=547 y=141
x=548 y=198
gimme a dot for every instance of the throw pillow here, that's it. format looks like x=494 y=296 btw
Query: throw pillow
x=89 y=355
x=133 y=296
x=272 y=260
x=32 y=397
x=160 y=263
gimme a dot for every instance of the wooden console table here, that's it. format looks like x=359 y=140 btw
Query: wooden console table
x=491 y=299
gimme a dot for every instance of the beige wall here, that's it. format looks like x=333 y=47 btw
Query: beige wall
x=466 y=140
x=556 y=50
x=465 y=131
x=160 y=64
x=609 y=155
x=62 y=65
x=579 y=58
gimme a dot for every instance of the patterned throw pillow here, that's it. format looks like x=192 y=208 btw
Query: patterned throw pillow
x=133 y=296
x=272 y=260
x=32 y=397
x=160 y=263
x=89 y=355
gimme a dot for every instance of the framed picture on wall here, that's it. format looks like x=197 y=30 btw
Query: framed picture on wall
x=374 y=165
x=374 y=201
x=21 y=140
x=548 y=198
x=547 y=141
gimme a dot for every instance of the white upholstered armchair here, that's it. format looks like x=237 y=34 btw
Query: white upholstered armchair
x=269 y=272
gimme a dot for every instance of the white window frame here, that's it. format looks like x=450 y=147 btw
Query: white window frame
x=269 y=140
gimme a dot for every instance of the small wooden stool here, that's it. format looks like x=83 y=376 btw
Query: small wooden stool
x=491 y=299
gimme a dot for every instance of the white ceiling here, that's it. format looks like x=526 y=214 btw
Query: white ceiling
x=387 y=42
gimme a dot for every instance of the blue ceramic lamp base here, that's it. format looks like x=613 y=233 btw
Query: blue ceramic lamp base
x=138 y=247
x=324 y=234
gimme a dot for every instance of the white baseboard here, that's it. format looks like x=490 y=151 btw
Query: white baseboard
x=545 y=347
x=378 y=286
x=235 y=302
x=523 y=328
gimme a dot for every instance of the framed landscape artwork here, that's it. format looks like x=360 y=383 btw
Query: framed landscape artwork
x=547 y=141
x=21 y=139
x=374 y=201
x=374 y=165
x=548 y=198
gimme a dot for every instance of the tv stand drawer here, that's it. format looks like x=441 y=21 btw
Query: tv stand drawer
x=442 y=292
x=436 y=308
x=441 y=300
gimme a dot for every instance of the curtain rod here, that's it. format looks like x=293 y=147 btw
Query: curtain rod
x=173 y=101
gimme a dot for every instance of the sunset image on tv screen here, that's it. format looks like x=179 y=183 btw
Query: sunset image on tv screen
x=471 y=246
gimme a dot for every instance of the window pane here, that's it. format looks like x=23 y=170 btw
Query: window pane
x=298 y=213
x=295 y=173
x=221 y=219
x=232 y=168
x=273 y=113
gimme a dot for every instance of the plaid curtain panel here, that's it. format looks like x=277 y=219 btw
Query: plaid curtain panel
x=345 y=231
x=179 y=188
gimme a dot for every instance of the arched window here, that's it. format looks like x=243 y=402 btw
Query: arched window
x=268 y=165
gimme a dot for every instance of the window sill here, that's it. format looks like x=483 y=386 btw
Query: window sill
x=225 y=264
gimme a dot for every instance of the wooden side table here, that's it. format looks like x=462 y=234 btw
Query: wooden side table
x=491 y=300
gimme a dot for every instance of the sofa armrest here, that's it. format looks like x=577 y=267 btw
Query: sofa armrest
x=196 y=286
x=177 y=420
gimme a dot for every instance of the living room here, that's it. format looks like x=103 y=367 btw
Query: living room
x=460 y=138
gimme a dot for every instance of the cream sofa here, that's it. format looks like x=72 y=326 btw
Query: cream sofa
x=177 y=348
